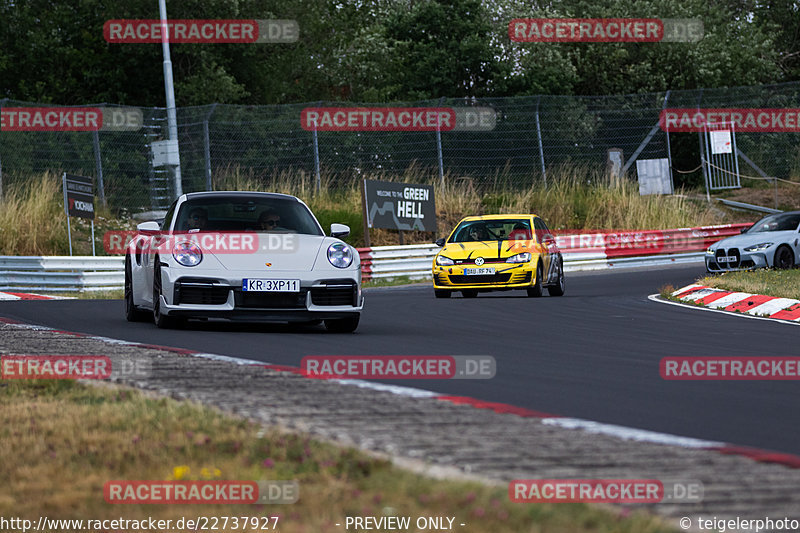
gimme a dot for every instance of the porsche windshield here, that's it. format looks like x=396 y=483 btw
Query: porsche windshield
x=492 y=230
x=779 y=222
x=246 y=214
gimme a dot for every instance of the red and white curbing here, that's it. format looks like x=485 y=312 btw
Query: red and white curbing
x=758 y=305
x=27 y=296
x=620 y=432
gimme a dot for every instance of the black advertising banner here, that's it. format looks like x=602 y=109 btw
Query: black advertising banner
x=79 y=196
x=400 y=206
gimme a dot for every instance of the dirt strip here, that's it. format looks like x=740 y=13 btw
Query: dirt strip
x=434 y=436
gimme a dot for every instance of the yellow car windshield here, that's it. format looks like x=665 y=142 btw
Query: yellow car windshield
x=492 y=230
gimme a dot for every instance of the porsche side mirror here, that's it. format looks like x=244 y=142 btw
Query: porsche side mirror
x=150 y=227
x=340 y=231
x=439 y=242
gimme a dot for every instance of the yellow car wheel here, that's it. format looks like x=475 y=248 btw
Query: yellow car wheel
x=536 y=290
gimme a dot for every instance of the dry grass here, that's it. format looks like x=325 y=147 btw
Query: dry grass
x=32 y=221
x=62 y=441
x=780 y=283
x=576 y=198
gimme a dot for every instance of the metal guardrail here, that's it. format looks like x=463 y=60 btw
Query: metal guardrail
x=420 y=267
x=61 y=273
x=748 y=207
x=591 y=251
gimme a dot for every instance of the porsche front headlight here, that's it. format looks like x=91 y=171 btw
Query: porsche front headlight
x=760 y=247
x=444 y=261
x=519 y=258
x=187 y=253
x=340 y=255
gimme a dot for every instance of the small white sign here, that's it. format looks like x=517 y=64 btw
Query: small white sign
x=721 y=142
x=165 y=153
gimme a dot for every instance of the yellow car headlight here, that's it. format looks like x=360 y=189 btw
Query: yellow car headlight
x=444 y=261
x=519 y=258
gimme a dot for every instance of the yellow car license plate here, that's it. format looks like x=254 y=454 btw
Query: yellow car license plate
x=478 y=271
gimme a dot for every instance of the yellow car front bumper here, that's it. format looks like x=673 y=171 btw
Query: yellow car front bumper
x=506 y=276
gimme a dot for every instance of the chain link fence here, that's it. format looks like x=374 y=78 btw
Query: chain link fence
x=531 y=138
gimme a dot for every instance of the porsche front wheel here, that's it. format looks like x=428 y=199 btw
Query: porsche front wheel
x=161 y=320
x=132 y=313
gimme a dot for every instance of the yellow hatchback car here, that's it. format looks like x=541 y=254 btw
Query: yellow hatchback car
x=498 y=252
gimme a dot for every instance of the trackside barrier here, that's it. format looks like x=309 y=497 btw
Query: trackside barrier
x=61 y=273
x=581 y=251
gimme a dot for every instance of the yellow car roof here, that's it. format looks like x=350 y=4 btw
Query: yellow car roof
x=499 y=217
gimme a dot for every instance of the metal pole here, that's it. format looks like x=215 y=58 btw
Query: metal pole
x=3 y=101
x=99 y=167
x=93 y=252
x=703 y=154
x=438 y=150
x=669 y=150
x=734 y=153
x=207 y=143
x=539 y=135
x=66 y=211
x=318 y=185
x=169 y=89
x=701 y=135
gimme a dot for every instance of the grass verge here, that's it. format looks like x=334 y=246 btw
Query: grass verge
x=780 y=283
x=67 y=440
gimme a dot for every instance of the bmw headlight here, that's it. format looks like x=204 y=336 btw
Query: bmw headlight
x=758 y=247
x=340 y=255
x=519 y=258
x=187 y=254
x=710 y=250
x=444 y=261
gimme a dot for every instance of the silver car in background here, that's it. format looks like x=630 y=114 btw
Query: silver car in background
x=772 y=242
x=245 y=256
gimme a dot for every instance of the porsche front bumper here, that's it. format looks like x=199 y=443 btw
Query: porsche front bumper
x=207 y=296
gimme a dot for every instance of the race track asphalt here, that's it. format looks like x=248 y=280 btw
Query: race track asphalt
x=593 y=353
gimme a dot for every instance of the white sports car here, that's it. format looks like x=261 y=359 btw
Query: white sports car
x=772 y=242
x=246 y=256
